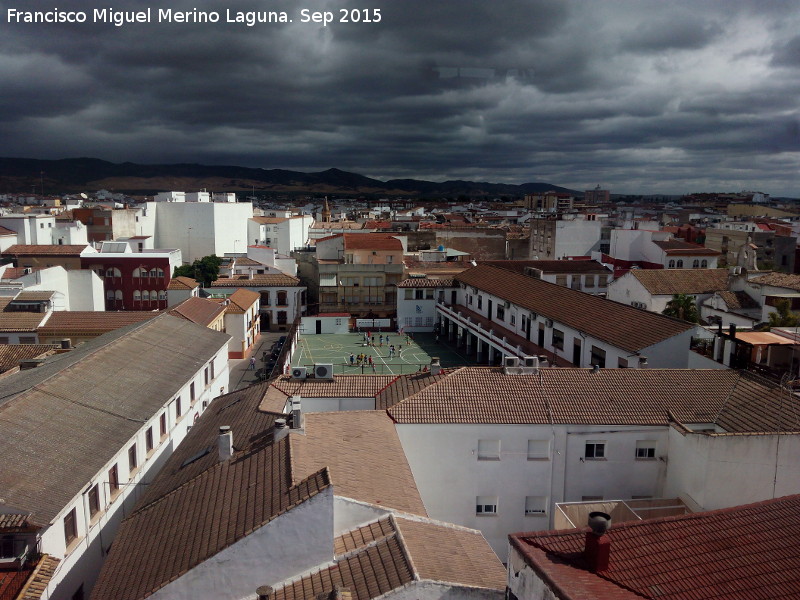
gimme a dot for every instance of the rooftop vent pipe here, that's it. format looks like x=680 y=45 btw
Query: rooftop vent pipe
x=597 y=550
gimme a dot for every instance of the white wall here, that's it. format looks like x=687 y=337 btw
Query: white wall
x=420 y=311
x=450 y=483
x=286 y=546
x=83 y=562
x=523 y=581
x=308 y=325
x=577 y=237
x=432 y=590
x=722 y=471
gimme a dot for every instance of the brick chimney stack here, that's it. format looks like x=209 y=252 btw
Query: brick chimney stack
x=597 y=550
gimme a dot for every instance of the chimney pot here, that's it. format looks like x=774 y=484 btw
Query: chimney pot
x=436 y=365
x=597 y=550
x=225 y=443
x=265 y=592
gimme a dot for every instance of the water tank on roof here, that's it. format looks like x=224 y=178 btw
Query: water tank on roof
x=441 y=248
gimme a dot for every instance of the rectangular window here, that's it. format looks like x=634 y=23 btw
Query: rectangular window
x=538 y=449
x=622 y=363
x=429 y=294
x=501 y=313
x=428 y=321
x=513 y=319
x=409 y=295
x=480 y=302
x=178 y=407
x=132 y=459
x=191 y=391
x=163 y=424
x=205 y=375
x=211 y=367
x=408 y=321
x=558 y=339
x=645 y=449
x=488 y=449
x=94 y=500
x=27 y=339
x=70 y=527
x=598 y=357
x=535 y=505
x=595 y=450
x=486 y=505
x=113 y=480
x=148 y=439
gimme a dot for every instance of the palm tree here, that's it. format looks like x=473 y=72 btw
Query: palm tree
x=682 y=306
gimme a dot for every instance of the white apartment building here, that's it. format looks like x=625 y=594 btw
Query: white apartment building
x=416 y=302
x=44 y=229
x=73 y=290
x=86 y=432
x=509 y=445
x=493 y=312
x=284 y=234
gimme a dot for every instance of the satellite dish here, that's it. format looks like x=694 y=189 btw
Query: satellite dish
x=84 y=196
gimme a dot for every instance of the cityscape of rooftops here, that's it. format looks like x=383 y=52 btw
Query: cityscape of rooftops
x=441 y=300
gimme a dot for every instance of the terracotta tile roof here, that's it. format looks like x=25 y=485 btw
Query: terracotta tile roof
x=404 y=386
x=263 y=280
x=182 y=283
x=245 y=262
x=12 y=354
x=5 y=301
x=451 y=554
x=37 y=584
x=35 y=296
x=361 y=536
x=785 y=280
x=68 y=322
x=738 y=300
x=341 y=386
x=251 y=428
x=165 y=539
x=681 y=281
x=392 y=552
x=368 y=573
x=364 y=455
x=337 y=225
x=11 y=523
x=45 y=249
x=7 y=231
x=736 y=401
x=198 y=310
x=679 y=247
x=738 y=553
x=269 y=220
x=549 y=266
x=109 y=386
x=620 y=325
x=334 y=315
x=17 y=272
x=241 y=300
x=427 y=282
x=371 y=241
x=21 y=321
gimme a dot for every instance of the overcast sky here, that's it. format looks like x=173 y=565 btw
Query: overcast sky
x=639 y=96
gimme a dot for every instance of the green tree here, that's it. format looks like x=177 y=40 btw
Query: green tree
x=784 y=317
x=682 y=306
x=204 y=270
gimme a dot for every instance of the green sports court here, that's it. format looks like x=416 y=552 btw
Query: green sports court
x=409 y=357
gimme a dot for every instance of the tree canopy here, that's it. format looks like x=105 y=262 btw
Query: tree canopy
x=784 y=317
x=682 y=306
x=204 y=270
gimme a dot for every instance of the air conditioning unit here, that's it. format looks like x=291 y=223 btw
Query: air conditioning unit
x=530 y=361
x=507 y=304
x=299 y=373
x=323 y=371
x=510 y=361
x=548 y=322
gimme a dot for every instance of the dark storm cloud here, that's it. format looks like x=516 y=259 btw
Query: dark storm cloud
x=640 y=96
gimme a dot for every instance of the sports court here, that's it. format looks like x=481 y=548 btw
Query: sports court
x=410 y=355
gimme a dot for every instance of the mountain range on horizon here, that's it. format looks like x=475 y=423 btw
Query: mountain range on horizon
x=22 y=175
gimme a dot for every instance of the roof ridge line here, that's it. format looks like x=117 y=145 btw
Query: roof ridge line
x=404 y=549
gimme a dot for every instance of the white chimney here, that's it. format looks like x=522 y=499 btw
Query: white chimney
x=225 y=443
x=436 y=365
x=281 y=430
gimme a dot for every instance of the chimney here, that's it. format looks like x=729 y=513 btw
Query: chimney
x=436 y=365
x=643 y=362
x=280 y=430
x=598 y=545
x=66 y=344
x=265 y=592
x=595 y=368
x=225 y=443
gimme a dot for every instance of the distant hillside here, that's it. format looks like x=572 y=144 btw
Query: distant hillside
x=20 y=175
